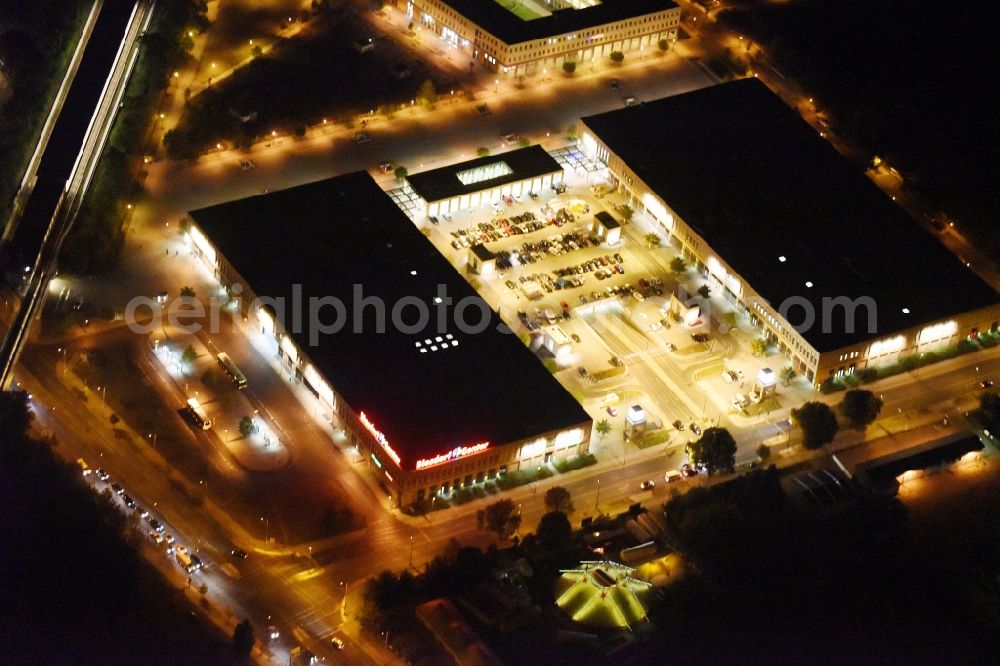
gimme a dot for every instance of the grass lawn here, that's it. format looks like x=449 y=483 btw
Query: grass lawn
x=709 y=371
x=308 y=79
x=694 y=348
x=648 y=439
x=519 y=10
x=764 y=406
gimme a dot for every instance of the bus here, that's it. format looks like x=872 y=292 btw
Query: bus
x=231 y=370
x=197 y=414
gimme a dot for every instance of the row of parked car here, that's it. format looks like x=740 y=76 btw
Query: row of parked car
x=158 y=534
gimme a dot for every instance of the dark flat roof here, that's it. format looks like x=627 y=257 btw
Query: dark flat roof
x=607 y=220
x=443 y=183
x=504 y=25
x=757 y=182
x=329 y=235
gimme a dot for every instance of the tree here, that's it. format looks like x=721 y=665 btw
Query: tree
x=299 y=130
x=558 y=498
x=626 y=212
x=603 y=428
x=15 y=414
x=716 y=448
x=502 y=518
x=247 y=426
x=482 y=151
x=256 y=51
x=663 y=45
x=652 y=239
x=788 y=374
x=860 y=408
x=818 y=423
x=187 y=292
x=427 y=94
x=189 y=354
x=678 y=265
x=763 y=453
x=704 y=291
x=554 y=530
x=617 y=56
x=400 y=173
x=758 y=346
x=569 y=66
x=243 y=638
x=989 y=407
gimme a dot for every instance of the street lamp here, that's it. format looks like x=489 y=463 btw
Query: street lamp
x=597 y=500
x=267 y=524
x=153 y=435
x=496 y=86
x=411 y=552
x=103 y=390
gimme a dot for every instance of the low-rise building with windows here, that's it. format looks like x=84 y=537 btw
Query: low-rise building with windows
x=399 y=352
x=485 y=180
x=783 y=229
x=539 y=35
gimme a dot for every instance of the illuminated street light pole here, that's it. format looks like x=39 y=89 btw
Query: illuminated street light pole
x=411 y=552
x=103 y=390
x=597 y=500
x=153 y=435
x=496 y=86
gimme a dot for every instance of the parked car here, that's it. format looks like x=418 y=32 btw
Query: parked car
x=511 y=138
x=612 y=411
x=101 y=474
x=155 y=524
x=678 y=425
x=727 y=377
x=647 y=484
x=117 y=488
x=361 y=137
x=128 y=501
x=246 y=165
x=386 y=167
x=986 y=383
x=614 y=84
x=156 y=537
x=695 y=429
x=142 y=512
x=672 y=475
x=337 y=643
x=238 y=553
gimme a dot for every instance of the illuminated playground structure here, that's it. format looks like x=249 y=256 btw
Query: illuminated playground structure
x=603 y=594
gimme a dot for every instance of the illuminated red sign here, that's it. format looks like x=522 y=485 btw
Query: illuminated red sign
x=454 y=454
x=379 y=437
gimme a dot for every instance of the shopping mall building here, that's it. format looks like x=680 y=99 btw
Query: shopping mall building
x=540 y=35
x=398 y=351
x=787 y=232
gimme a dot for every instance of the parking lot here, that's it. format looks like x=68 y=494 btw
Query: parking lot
x=611 y=303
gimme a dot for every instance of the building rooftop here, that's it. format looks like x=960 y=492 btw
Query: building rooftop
x=607 y=220
x=483 y=173
x=788 y=212
x=328 y=236
x=504 y=25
